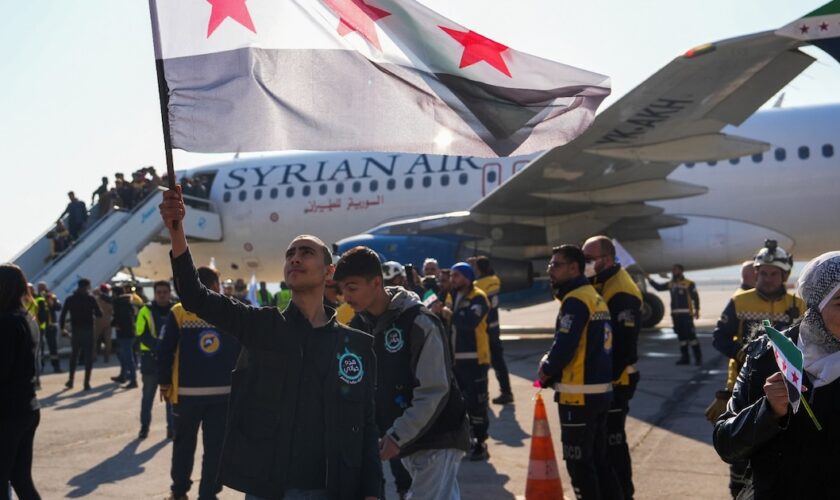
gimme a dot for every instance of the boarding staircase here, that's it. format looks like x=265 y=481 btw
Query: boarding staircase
x=112 y=243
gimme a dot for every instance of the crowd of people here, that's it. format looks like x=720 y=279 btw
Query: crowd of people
x=124 y=194
x=355 y=362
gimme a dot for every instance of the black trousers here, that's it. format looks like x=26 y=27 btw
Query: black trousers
x=583 y=433
x=51 y=336
x=16 y=437
x=472 y=379
x=618 y=453
x=187 y=416
x=684 y=328
x=497 y=359
x=82 y=342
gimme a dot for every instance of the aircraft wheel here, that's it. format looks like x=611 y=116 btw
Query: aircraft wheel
x=652 y=310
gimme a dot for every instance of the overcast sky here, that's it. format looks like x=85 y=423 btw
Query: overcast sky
x=79 y=96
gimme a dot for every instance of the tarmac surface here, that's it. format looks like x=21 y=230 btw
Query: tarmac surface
x=87 y=446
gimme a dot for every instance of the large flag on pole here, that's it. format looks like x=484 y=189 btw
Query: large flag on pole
x=375 y=75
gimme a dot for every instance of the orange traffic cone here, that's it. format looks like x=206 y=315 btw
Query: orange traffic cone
x=543 y=477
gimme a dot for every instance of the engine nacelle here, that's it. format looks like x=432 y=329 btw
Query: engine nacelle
x=448 y=249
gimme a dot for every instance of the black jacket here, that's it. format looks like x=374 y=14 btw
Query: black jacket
x=789 y=458
x=17 y=366
x=82 y=307
x=123 y=319
x=256 y=453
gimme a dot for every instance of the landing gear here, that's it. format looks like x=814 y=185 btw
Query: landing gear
x=652 y=310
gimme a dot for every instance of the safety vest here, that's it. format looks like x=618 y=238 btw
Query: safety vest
x=144 y=321
x=471 y=344
x=41 y=302
x=751 y=309
x=491 y=285
x=282 y=298
x=621 y=282
x=589 y=374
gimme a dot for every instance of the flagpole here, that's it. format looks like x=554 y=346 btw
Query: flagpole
x=163 y=97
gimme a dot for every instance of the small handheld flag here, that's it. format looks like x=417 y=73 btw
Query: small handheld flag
x=789 y=359
x=429 y=298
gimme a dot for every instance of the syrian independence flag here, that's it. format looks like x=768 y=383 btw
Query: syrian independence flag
x=429 y=298
x=789 y=360
x=821 y=28
x=367 y=75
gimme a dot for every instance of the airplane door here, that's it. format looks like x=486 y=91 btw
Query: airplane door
x=491 y=177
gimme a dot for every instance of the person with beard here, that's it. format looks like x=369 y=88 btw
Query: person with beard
x=742 y=318
x=420 y=410
x=301 y=422
x=472 y=352
x=788 y=455
x=579 y=368
x=624 y=300
x=685 y=308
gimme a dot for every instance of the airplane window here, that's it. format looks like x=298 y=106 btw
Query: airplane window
x=357 y=186
x=306 y=190
x=780 y=154
x=273 y=193
x=226 y=196
x=322 y=189
x=757 y=157
x=828 y=150
x=374 y=185
x=689 y=164
x=463 y=179
x=804 y=152
x=339 y=188
x=427 y=181
x=444 y=180
x=734 y=161
x=242 y=195
x=258 y=194
x=290 y=191
x=712 y=163
x=491 y=176
x=391 y=184
x=409 y=182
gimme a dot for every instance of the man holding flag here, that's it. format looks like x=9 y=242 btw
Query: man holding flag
x=792 y=454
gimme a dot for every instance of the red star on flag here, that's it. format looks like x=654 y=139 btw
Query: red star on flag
x=804 y=29
x=824 y=26
x=234 y=9
x=784 y=366
x=795 y=378
x=479 y=48
x=356 y=15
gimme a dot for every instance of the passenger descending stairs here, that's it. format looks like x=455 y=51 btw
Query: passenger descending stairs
x=110 y=244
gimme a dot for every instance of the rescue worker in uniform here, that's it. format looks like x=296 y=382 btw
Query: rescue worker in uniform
x=471 y=348
x=194 y=363
x=264 y=297
x=148 y=328
x=743 y=316
x=51 y=306
x=420 y=410
x=579 y=368
x=490 y=284
x=624 y=300
x=685 y=308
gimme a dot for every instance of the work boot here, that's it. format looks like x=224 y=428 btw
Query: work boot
x=131 y=385
x=478 y=452
x=698 y=355
x=144 y=433
x=684 y=359
x=119 y=379
x=503 y=399
x=69 y=384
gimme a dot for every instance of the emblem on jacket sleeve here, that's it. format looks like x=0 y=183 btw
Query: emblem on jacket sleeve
x=350 y=367
x=394 y=340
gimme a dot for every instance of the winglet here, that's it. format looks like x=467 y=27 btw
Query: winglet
x=820 y=27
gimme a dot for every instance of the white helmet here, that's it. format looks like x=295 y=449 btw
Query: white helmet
x=392 y=269
x=772 y=255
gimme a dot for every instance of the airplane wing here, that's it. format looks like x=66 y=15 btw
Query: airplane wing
x=601 y=181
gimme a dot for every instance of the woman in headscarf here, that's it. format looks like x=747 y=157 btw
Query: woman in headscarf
x=789 y=458
x=19 y=410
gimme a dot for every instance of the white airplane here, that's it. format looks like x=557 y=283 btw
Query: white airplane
x=678 y=170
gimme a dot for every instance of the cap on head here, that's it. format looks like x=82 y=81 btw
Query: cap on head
x=465 y=269
x=105 y=288
x=772 y=255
